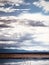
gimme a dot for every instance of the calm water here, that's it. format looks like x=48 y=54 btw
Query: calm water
x=24 y=61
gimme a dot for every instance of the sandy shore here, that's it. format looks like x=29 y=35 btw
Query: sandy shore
x=20 y=56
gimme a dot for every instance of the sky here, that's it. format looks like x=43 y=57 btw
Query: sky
x=24 y=25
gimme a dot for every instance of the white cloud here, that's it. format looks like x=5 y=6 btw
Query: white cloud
x=35 y=17
x=1 y=4
x=29 y=16
x=42 y=4
x=7 y=17
x=33 y=48
x=39 y=34
x=7 y=9
x=10 y=9
x=11 y=2
x=16 y=2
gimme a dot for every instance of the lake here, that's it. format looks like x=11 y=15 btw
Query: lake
x=24 y=61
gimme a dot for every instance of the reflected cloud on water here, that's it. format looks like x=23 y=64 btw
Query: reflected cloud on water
x=25 y=62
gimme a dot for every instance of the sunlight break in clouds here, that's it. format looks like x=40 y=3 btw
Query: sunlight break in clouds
x=42 y=4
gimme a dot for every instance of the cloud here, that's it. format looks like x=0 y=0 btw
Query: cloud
x=36 y=17
x=7 y=9
x=10 y=8
x=38 y=38
x=1 y=4
x=30 y=16
x=12 y=1
x=42 y=4
x=24 y=37
x=15 y=1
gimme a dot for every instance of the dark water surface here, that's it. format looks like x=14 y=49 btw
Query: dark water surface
x=24 y=61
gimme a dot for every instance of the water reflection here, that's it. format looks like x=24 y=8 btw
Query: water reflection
x=24 y=62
